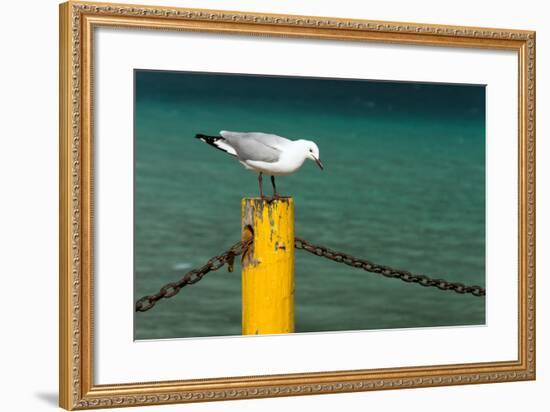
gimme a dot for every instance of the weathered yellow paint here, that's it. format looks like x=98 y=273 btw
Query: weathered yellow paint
x=268 y=267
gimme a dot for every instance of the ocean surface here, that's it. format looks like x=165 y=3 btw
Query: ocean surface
x=403 y=186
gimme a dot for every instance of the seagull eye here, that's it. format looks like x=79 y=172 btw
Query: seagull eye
x=310 y=150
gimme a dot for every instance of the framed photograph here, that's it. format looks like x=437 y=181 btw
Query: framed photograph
x=260 y=205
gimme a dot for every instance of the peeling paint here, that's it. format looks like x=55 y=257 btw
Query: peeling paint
x=279 y=246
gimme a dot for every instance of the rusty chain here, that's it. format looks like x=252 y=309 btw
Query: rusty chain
x=386 y=271
x=172 y=288
x=190 y=278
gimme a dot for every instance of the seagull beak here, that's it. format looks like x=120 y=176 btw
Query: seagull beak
x=318 y=163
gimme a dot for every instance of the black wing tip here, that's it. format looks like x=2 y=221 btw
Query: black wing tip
x=211 y=140
x=207 y=137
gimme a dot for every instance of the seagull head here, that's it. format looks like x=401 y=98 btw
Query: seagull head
x=311 y=152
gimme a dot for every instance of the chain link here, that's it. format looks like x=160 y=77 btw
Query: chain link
x=190 y=278
x=386 y=271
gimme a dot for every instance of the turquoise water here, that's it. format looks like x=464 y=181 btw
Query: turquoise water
x=404 y=186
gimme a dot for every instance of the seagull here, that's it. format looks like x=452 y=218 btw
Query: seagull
x=265 y=153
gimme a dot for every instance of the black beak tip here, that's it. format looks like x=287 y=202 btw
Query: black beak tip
x=319 y=164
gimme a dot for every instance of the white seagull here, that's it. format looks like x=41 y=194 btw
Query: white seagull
x=265 y=153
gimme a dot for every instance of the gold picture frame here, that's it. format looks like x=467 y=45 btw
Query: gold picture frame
x=76 y=386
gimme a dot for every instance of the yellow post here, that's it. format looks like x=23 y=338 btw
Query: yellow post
x=268 y=267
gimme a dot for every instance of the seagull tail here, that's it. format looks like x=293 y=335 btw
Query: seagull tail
x=218 y=142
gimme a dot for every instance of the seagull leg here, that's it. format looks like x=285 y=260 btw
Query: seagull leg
x=260 y=180
x=275 y=194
